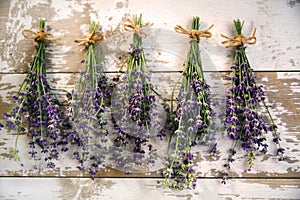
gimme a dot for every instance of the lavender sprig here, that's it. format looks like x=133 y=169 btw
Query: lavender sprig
x=38 y=112
x=87 y=109
x=135 y=113
x=244 y=123
x=192 y=119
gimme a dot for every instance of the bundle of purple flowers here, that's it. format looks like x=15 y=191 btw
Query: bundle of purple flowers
x=244 y=123
x=87 y=106
x=192 y=120
x=39 y=109
x=135 y=112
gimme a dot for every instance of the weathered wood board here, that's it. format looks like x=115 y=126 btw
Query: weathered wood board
x=148 y=189
x=275 y=59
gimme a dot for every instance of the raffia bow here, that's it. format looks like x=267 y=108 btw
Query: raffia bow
x=40 y=35
x=194 y=34
x=239 y=40
x=136 y=29
x=95 y=37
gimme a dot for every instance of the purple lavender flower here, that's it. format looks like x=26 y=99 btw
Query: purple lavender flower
x=86 y=111
x=135 y=112
x=38 y=112
x=244 y=123
x=1 y=126
x=191 y=121
x=180 y=171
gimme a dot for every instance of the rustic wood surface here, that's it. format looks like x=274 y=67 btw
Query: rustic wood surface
x=148 y=189
x=275 y=59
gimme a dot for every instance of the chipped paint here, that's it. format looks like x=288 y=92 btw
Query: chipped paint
x=75 y=188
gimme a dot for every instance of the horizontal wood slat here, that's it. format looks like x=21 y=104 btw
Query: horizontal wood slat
x=148 y=189
x=276 y=48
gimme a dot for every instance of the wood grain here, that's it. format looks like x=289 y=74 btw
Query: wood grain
x=116 y=188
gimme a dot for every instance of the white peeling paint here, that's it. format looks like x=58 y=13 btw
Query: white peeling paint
x=149 y=189
x=65 y=9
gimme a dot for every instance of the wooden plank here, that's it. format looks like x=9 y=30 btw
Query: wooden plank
x=277 y=48
x=79 y=188
x=283 y=96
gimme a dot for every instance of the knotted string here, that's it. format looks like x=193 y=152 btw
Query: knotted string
x=194 y=34
x=93 y=38
x=239 y=40
x=137 y=29
x=40 y=35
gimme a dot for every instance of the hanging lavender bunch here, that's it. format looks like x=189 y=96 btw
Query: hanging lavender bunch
x=134 y=107
x=87 y=107
x=193 y=116
x=38 y=112
x=244 y=123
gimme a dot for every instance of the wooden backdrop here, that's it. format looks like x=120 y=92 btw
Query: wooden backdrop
x=275 y=59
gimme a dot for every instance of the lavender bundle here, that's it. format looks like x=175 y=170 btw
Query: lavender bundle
x=193 y=115
x=244 y=123
x=87 y=106
x=134 y=109
x=38 y=112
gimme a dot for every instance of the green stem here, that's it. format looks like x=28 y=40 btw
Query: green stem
x=172 y=94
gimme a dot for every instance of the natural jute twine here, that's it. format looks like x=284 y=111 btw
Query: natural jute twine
x=136 y=29
x=239 y=40
x=40 y=35
x=95 y=37
x=194 y=34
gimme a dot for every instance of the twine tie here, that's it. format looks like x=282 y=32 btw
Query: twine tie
x=239 y=40
x=194 y=34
